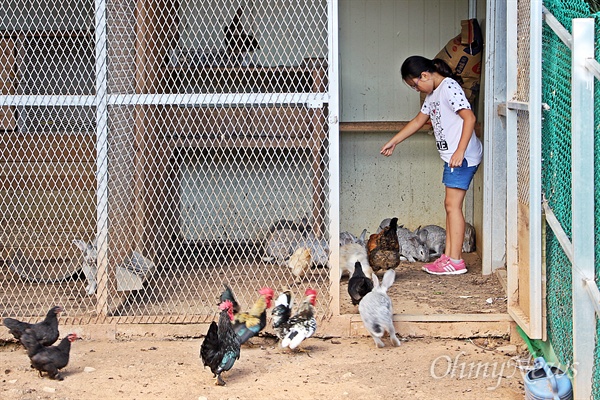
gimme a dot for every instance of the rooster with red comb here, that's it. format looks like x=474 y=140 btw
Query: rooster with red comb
x=221 y=346
x=303 y=324
x=249 y=324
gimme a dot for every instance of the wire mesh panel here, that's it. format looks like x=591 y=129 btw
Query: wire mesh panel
x=195 y=153
x=523 y=152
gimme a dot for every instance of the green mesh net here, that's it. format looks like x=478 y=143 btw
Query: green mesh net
x=556 y=176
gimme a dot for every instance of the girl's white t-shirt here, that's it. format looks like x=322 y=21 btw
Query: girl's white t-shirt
x=442 y=106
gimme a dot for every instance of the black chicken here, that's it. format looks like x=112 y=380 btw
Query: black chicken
x=221 y=346
x=238 y=41
x=228 y=295
x=48 y=359
x=45 y=332
x=359 y=284
x=281 y=314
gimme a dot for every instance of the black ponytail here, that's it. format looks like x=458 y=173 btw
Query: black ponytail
x=442 y=68
x=414 y=66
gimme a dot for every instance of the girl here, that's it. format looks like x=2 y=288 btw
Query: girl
x=453 y=125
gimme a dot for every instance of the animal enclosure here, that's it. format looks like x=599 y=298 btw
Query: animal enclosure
x=173 y=137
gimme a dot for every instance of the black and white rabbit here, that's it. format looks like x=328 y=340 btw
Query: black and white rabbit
x=376 y=310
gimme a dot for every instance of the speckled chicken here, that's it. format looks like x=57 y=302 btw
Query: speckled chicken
x=249 y=324
x=45 y=332
x=48 y=359
x=221 y=346
x=281 y=313
x=300 y=262
x=383 y=248
x=303 y=324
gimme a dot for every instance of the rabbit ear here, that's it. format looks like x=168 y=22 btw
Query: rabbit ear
x=375 y=280
x=363 y=236
x=388 y=279
x=80 y=244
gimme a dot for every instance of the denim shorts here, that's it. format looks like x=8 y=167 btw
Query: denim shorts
x=459 y=177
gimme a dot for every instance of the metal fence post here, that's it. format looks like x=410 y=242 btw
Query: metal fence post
x=582 y=130
x=102 y=156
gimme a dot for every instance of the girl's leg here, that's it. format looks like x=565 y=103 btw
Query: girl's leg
x=455 y=222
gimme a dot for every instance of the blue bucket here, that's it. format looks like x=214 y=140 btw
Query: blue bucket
x=547 y=383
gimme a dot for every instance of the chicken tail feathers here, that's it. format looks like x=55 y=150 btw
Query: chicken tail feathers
x=394 y=224
x=227 y=294
x=245 y=332
x=209 y=350
x=15 y=327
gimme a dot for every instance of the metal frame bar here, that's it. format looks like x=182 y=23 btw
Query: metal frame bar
x=582 y=143
x=102 y=155
x=511 y=165
x=494 y=149
x=315 y=99
x=334 y=155
x=560 y=30
x=535 y=172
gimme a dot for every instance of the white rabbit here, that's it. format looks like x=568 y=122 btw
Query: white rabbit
x=349 y=255
x=89 y=265
x=376 y=310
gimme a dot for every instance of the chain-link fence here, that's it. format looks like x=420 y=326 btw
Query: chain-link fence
x=152 y=150
x=557 y=178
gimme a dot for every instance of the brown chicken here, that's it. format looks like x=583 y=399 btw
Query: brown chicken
x=383 y=247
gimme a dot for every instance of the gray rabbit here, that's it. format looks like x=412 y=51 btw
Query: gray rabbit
x=434 y=237
x=376 y=310
x=348 y=238
x=282 y=239
x=469 y=241
x=411 y=247
x=383 y=224
x=89 y=265
x=319 y=249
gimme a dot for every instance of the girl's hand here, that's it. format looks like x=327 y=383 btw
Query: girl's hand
x=457 y=159
x=388 y=149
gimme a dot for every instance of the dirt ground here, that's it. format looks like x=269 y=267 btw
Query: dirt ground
x=416 y=292
x=334 y=368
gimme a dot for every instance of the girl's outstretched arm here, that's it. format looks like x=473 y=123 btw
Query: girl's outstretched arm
x=467 y=131
x=413 y=126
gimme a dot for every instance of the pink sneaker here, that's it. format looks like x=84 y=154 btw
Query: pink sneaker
x=446 y=267
x=442 y=258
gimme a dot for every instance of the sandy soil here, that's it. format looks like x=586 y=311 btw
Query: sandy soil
x=416 y=292
x=334 y=368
